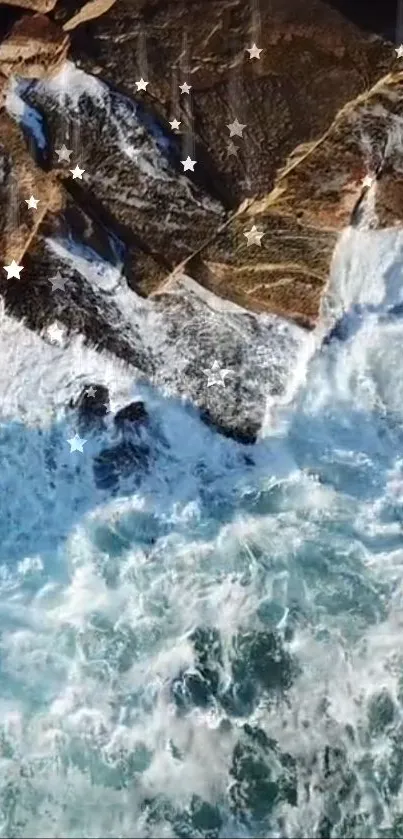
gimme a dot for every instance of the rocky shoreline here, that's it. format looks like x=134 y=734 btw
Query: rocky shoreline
x=321 y=109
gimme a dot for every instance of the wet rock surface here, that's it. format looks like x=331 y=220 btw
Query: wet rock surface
x=156 y=228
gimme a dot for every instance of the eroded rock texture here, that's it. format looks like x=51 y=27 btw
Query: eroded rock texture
x=320 y=110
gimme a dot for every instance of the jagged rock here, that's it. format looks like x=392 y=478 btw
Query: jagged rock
x=279 y=97
x=35 y=47
x=315 y=196
x=131 y=417
x=132 y=175
x=19 y=179
x=34 y=5
x=121 y=461
x=92 y=404
x=89 y=11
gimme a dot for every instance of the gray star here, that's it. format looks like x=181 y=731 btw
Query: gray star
x=235 y=128
x=232 y=149
x=216 y=376
x=58 y=282
x=76 y=443
x=90 y=392
x=64 y=153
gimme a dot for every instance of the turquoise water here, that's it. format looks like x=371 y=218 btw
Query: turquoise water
x=214 y=650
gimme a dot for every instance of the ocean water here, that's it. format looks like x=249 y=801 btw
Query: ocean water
x=213 y=647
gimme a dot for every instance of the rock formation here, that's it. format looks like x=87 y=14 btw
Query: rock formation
x=321 y=109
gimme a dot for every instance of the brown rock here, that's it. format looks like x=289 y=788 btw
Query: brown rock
x=313 y=61
x=89 y=11
x=316 y=195
x=35 y=5
x=23 y=178
x=35 y=47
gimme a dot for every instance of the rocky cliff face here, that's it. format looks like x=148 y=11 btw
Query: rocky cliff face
x=320 y=109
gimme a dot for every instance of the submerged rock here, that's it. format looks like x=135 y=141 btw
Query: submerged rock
x=263 y=775
x=125 y=460
x=132 y=417
x=200 y=686
x=92 y=405
x=259 y=662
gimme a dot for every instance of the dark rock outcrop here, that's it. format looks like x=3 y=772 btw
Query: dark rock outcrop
x=132 y=417
x=92 y=406
x=296 y=175
x=122 y=461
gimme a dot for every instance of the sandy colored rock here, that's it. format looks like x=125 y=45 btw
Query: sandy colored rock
x=90 y=10
x=21 y=179
x=35 y=47
x=34 y=5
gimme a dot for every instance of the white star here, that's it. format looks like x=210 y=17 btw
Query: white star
x=216 y=376
x=235 y=128
x=188 y=164
x=55 y=333
x=90 y=392
x=399 y=51
x=64 y=153
x=76 y=443
x=77 y=172
x=254 y=51
x=254 y=236
x=175 y=125
x=141 y=85
x=367 y=181
x=58 y=282
x=185 y=87
x=32 y=203
x=13 y=270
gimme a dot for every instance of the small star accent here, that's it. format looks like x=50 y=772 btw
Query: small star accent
x=215 y=375
x=232 y=148
x=367 y=181
x=90 y=392
x=55 y=333
x=175 y=125
x=32 y=203
x=254 y=236
x=188 y=164
x=77 y=172
x=399 y=51
x=235 y=128
x=141 y=85
x=13 y=270
x=254 y=51
x=185 y=87
x=64 y=153
x=76 y=443
x=58 y=282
